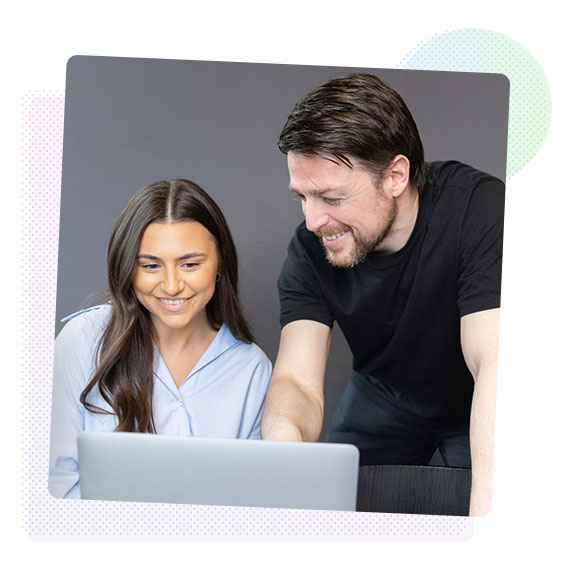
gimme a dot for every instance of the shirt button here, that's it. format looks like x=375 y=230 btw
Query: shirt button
x=180 y=404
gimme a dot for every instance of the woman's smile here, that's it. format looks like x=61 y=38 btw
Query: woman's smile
x=173 y=304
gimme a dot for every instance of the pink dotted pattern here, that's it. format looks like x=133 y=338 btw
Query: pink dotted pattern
x=47 y=518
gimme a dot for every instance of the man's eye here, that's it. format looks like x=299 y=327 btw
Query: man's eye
x=332 y=201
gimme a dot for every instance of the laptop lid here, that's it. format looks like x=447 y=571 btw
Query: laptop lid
x=232 y=472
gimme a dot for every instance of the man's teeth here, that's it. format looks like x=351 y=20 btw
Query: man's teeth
x=334 y=236
x=170 y=302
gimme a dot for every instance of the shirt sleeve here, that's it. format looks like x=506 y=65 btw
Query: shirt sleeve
x=256 y=396
x=480 y=245
x=73 y=366
x=299 y=287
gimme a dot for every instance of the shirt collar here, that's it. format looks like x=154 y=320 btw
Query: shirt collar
x=222 y=342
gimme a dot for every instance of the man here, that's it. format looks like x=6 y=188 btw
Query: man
x=406 y=257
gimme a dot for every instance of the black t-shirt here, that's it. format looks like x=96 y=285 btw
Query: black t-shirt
x=400 y=312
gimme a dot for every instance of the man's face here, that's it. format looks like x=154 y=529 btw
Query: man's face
x=344 y=208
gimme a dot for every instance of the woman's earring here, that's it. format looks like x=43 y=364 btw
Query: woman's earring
x=218 y=277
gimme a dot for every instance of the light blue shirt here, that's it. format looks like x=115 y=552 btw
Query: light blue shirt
x=223 y=395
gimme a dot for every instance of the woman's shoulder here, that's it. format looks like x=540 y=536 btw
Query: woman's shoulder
x=86 y=325
x=75 y=352
x=250 y=351
x=247 y=358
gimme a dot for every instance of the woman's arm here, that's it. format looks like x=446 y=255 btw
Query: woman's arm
x=73 y=365
x=260 y=379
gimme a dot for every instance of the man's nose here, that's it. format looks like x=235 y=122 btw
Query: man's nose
x=316 y=217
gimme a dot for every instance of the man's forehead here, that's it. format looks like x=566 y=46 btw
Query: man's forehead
x=301 y=166
x=321 y=158
x=315 y=186
x=315 y=175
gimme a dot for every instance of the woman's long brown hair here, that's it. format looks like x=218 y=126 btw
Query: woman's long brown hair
x=125 y=352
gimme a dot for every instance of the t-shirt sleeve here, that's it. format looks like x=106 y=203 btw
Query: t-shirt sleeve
x=480 y=245
x=299 y=288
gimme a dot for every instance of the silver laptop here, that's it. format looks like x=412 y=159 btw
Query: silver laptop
x=232 y=472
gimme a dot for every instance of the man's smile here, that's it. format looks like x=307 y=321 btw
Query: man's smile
x=333 y=240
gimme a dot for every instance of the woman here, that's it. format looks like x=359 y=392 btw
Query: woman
x=171 y=352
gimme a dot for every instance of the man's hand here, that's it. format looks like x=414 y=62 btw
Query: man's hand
x=294 y=407
x=479 y=340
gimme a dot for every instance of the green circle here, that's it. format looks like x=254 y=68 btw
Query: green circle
x=478 y=50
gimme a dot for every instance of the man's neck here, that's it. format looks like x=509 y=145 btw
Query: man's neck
x=407 y=210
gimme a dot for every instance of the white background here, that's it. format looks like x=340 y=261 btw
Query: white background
x=529 y=523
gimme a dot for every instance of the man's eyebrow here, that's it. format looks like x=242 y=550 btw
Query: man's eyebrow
x=312 y=192
x=179 y=258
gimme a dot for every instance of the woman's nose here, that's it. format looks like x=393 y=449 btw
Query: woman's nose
x=172 y=283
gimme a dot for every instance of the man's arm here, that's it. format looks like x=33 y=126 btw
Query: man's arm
x=294 y=408
x=479 y=340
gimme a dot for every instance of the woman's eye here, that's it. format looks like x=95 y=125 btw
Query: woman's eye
x=150 y=266
x=190 y=265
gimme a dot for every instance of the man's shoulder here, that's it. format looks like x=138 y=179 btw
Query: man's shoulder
x=456 y=188
x=454 y=174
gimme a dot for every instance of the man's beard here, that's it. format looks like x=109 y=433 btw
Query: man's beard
x=362 y=247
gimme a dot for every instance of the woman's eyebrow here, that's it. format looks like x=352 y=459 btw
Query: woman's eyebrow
x=182 y=257
x=190 y=255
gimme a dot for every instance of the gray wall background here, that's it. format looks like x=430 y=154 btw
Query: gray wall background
x=129 y=122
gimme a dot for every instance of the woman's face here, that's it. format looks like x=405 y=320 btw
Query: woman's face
x=175 y=277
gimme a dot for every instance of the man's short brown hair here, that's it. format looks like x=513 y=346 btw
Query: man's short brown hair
x=358 y=116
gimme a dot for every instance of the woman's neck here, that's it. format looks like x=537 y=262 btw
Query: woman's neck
x=197 y=333
x=181 y=349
